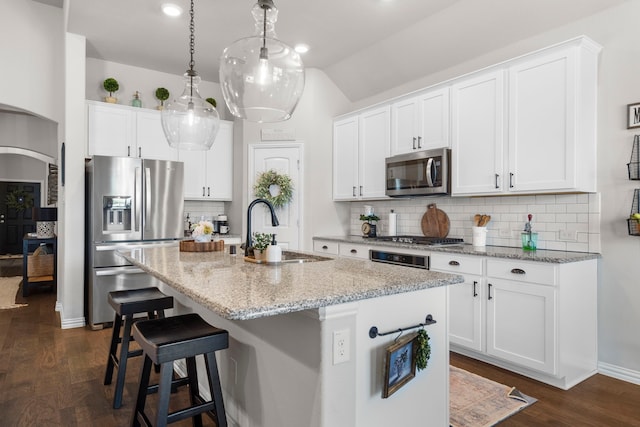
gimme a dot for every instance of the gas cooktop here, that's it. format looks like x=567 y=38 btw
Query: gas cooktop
x=421 y=240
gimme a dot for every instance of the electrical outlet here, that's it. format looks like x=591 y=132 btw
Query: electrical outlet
x=341 y=344
x=568 y=235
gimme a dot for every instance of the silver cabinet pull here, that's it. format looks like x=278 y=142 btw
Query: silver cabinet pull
x=325 y=247
x=353 y=251
x=128 y=151
x=414 y=142
x=518 y=271
x=489 y=288
x=475 y=293
x=354 y=191
x=361 y=191
x=510 y=180
x=497 y=176
x=454 y=262
x=419 y=142
x=208 y=191
x=203 y=193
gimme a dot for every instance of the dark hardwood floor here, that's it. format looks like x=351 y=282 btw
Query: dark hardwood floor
x=53 y=377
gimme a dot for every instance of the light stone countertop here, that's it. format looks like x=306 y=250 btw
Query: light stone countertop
x=239 y=290
x=540 y=255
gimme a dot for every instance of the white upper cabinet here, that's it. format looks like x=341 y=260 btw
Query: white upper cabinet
x=420 y=122
x=477 y=137
x=360 y=147
x=208 y=174
x=123 y=131
x=549 y=118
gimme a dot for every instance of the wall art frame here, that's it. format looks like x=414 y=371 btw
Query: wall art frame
x=399 y=364
x=633 y=116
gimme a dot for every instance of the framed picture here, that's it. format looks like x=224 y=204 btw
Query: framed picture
x=633 y=115
x=399 y=365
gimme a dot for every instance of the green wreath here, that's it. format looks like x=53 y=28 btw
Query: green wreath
x=19 y=200
x=266 y=180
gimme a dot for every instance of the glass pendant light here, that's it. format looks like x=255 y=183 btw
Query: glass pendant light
x=189 y=122
x=262 y=78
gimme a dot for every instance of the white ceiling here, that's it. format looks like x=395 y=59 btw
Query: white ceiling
x=365 y=46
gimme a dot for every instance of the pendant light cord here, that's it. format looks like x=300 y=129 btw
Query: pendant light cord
x=192 y=43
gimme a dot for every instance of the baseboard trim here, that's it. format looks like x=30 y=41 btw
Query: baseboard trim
x=78 y=322
x=619 y=373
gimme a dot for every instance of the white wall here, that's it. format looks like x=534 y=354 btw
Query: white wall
x=145 y=81
x=31 y=43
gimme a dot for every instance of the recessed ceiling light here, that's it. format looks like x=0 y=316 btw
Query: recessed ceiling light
x=171 y=9
x=302 y=48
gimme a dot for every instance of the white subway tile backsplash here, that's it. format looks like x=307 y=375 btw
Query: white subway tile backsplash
x=579 y=213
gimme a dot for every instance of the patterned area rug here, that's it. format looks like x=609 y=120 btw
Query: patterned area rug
x=476 y=401
x=8 y=289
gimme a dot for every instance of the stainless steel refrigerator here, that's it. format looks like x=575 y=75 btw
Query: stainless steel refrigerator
x=129 y=203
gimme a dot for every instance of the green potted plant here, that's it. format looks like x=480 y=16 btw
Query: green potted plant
x=260 y=243
x=111 y=85
x=212 y=101
x=162 y=94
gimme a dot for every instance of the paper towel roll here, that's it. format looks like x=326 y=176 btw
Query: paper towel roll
x=393 y=223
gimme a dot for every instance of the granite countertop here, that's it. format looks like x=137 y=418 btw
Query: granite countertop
x=540 y=255
x=239 y=290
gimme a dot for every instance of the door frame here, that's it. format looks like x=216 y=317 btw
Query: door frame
x=250 y=159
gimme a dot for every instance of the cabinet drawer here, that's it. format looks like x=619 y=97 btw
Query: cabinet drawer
x=522 y=271
x=354 y=251
x=325 y=247
x=456 y=263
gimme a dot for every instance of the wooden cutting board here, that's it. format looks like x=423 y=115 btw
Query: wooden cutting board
x=435 y=222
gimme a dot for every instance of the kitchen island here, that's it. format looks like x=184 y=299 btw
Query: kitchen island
x=281 y=368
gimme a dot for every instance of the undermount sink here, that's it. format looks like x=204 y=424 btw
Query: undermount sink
x=290 y=257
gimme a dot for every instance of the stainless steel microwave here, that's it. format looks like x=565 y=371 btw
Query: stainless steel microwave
x=420 y=173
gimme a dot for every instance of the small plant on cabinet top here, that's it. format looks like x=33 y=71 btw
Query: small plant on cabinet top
x=162 y=94
x=110 y=85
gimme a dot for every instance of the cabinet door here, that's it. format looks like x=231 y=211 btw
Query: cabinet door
x=466 y=300
x=219 y=175
x=404 y=115
x=373 y=135
x=195 y=170
x=466 y=314
x=150 y=138
x=542 y=134
x=433 y=123
x=521 y=323
x=345 y=158
x=111 y=130
x=477 y=139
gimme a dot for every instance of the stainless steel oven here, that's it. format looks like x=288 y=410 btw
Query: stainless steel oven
x=421 y=173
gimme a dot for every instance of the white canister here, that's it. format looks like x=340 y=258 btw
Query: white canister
x=479 y=237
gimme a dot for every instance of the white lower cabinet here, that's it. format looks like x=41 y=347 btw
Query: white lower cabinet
x=538 y=319
x=353 y=250
x=466 y=300
x=325 y=247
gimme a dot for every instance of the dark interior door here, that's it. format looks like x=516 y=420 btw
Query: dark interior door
x=15 y=222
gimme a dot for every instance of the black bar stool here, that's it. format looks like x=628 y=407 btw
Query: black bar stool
x=126 y=304
x=180 y=337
